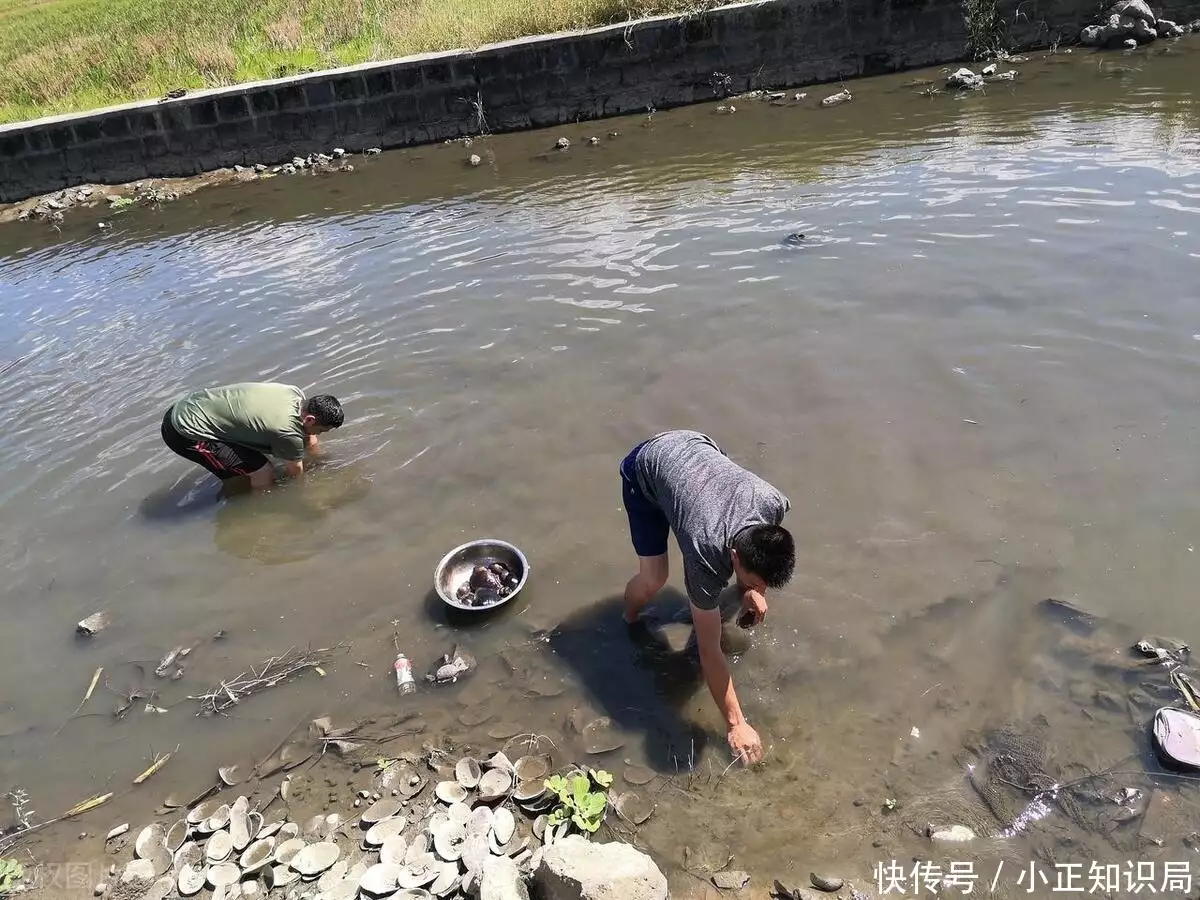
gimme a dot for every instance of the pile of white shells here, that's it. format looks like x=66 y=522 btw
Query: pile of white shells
x=401 y=847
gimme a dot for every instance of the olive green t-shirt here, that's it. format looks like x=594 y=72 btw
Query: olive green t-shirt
x=262 y=416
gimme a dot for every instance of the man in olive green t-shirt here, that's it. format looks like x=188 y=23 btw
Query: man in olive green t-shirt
x=232 y=430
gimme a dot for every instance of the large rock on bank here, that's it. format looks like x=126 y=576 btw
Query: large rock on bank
x=576 y=869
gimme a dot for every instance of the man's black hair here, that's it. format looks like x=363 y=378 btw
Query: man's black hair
x=326 y=409
x=768 y=551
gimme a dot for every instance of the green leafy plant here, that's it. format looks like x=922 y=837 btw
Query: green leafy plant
x=11 y=872
x=578 y=802
x=116 y=203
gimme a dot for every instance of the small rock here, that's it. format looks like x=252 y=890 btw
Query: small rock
x=731 y=880
x=298 y=162
x=1135 y=9
x=102 y=225
x=237 y=168
x=117 y=832
x=1130 y=44
x=1010 y=75
x=260 y=168
x=799 y=96
x=98 y=890
x=575 y=867
x=727 y=110
x=614 y=134
x=414 y=780
x=372 y=151
x=562 y=144
x=835 y=99
x=377 y=796
x=347 y=168
x=357 y=803
x=1144 y=32
x=593 y=141
x=475 y=159
x=364 y=795
x=1091 y=36
x=289 y=169
x=965 y=79
x=112 y=870
x=501 y=880
x=990 y=69
x=395 y=793
x=24 y=215
x=338 y=152
x=955 y=834
x=827 y=883
x=322 y=158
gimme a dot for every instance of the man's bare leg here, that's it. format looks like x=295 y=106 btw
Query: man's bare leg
x=651 y=576
x=263 y=478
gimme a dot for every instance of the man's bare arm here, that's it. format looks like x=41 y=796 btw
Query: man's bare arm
x=743 y=740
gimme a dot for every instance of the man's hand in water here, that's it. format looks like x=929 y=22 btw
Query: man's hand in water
x=745 y=743
x=754 y=603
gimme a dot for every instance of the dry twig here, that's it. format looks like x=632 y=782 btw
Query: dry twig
x=230 y=692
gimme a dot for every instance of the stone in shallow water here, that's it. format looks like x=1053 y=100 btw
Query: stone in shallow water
x=731 y=879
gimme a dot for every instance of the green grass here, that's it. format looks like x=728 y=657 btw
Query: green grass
x=61 y=56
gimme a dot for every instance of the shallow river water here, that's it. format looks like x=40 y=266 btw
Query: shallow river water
x=976 y=378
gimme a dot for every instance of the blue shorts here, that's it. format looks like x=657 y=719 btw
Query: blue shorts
x=648 y=525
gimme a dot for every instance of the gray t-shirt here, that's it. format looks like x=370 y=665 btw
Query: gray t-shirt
x=707 y=499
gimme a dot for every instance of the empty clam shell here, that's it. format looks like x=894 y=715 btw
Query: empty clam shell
x=266 y=830
x=219 y=847
x=500 y=761
x=450 y=792
x=393 y=850
x=476 y=851
x=333 y=877
x=527 y=791
x=600 y=736
x=239 y=824
x=446 y=881
x=286 y=851
x=412 y=894
x=316 y=858
x=468 y=772
x=201 y=811
x=503 y=825
x=288 y=831
x=231 y=775
x=458 y=812
x=399 y=777
x=495 y=784
x=257 y=855
x=480 y=821
x=632 y=807
x=176 y=835
x=417 y=848
x=437 y=820
x=531 y=768
x=218 y=820
x=380 y=879
x=191 y=880
x=448 y=841
x=378 y=833
x=190 y=854
x=539 y=826
x=418 y=872
x=161 y=889
x=150 y=838
x=278 y=876
x=638 y=775
x=224 y=874
x=315 y=827
x=160 y=859
x=380 y=810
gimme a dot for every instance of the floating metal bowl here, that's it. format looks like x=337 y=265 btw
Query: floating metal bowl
x=456 y=566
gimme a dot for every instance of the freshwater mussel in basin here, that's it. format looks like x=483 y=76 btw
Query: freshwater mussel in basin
x=487 y=586
x=481 y=574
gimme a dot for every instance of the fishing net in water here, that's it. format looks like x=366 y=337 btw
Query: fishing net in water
x=1012 y=770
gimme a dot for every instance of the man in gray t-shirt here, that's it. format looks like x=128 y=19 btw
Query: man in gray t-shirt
x=728 y=523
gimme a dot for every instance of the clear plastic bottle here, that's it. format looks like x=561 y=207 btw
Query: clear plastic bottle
x=404 y=677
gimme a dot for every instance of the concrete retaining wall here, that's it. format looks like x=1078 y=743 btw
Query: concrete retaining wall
x=522 y=84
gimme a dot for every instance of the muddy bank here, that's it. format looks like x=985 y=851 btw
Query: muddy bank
x=526 y=84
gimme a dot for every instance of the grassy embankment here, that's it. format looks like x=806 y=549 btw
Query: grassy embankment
x=61 y=56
